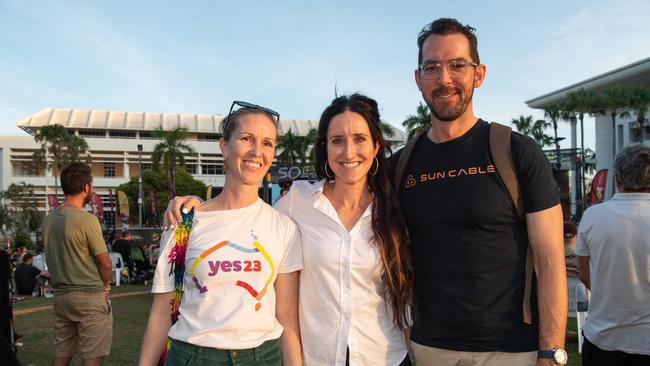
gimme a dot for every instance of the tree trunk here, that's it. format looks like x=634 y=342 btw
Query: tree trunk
x=171 y=186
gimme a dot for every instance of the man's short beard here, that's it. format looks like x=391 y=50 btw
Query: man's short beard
x=454 y=114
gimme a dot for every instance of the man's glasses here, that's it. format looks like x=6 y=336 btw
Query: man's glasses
x=275 y=115
x=455 y=68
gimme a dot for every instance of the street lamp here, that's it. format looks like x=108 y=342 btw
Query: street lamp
x=140 y=188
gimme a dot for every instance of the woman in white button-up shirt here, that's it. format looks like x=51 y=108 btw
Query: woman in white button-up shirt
x=355 y=288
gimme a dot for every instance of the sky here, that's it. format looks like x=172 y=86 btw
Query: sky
x=196 y=57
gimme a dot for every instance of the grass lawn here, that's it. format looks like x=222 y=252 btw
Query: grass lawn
x=130 y=316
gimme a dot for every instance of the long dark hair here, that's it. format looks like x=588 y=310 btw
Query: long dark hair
x=388 y=224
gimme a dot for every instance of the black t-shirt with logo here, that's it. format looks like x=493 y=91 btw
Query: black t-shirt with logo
x=469 y=245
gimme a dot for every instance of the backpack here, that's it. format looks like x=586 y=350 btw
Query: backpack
x=505 y=168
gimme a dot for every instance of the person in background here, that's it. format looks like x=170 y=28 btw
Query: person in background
x=570 y=236
x=80 y=272
x=29 y=278
x=123 y=246
x=614 y=255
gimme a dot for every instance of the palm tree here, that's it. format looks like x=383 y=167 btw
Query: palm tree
x=583 y=102
x=538 y=133
x=171 y=152
x=292 y=147
x=524 y=124
x=421 y=121
x=554 y=113
x=638 y=101
x=536 y=130
x=59 y=146
x=387 y=129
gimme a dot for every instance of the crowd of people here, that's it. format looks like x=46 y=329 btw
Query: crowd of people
x=451 y=250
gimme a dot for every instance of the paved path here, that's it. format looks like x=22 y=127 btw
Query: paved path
x=36 y=309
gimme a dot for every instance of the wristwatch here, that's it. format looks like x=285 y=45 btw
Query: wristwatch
x=558 y=355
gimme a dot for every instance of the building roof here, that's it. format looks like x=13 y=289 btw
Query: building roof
x=148 y=121
x=637 y=73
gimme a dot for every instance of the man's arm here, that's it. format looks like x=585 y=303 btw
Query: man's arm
x=286 y=310
x=583 y=267
x=545 y=238
x=105 y=267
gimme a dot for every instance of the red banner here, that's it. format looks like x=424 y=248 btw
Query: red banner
x=598 y=187
x=52 y=201
x=97 y=205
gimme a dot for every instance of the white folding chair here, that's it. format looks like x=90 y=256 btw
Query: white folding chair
x=118 y=265
x=581 y=301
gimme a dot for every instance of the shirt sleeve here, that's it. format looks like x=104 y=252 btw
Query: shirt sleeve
x=582 y=247
x=539 y=189
x=292 y=259
x=163 y=280
x=94 y=236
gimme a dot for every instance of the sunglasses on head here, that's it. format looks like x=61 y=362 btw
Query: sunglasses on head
x=246 y=105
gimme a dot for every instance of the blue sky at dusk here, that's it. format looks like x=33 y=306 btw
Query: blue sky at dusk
x=196 y=57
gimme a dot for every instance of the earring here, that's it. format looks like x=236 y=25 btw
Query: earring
x=376 y=167
x=326 y=172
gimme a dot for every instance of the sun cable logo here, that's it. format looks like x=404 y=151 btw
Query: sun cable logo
x=410 y=181
x=451 y=173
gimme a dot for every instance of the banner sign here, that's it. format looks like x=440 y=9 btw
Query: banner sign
x=123 y=203
x=97 y=205
x=52 y=201
x=598 y=187
x=292 y=172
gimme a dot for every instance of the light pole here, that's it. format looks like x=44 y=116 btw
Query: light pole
x=140 y=188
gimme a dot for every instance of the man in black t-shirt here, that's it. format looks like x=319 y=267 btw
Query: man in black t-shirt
x=123 y=246
x=469 y=244
x=26 y=276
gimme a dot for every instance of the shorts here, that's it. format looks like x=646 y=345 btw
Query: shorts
x=83 y=321
x=268 y=353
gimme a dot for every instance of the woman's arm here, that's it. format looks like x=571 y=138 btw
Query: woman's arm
x=155 y=337
x=286 y=310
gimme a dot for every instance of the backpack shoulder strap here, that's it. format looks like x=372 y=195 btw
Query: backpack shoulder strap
x=404 y=157
x=505 y=167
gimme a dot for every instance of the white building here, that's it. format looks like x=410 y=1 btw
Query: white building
x=609 y=139
x=113 y=139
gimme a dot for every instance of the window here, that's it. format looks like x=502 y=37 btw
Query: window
x=146 y=166
x=191 y=168
x=24 y=168
x=121 y=134
x=209 y=169
x=209 y=137
x=92 y=133
x=109 y=169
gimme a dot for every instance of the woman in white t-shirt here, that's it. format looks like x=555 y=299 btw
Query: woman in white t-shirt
x=355 y=289
x=240 y=283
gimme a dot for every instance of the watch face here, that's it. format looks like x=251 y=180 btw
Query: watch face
x=560 y=357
